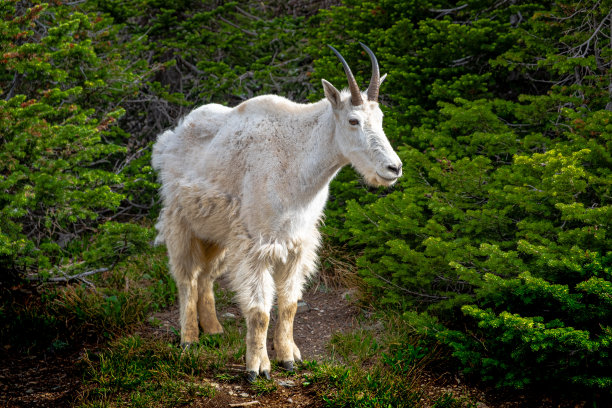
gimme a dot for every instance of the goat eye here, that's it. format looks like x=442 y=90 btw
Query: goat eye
x=353 y=121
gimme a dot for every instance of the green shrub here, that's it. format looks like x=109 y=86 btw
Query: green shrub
x=98 y=306
x=528 y=330
x=502 y=119
x=61 y=154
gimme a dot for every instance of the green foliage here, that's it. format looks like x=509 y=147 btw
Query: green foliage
x=153 y=373
x=531 y=330
x=105 y=305
x=376 y=370
x=503 y=125
x=213 y=52
x=60 y=149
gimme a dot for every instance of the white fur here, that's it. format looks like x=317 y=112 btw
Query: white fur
x=243 y=192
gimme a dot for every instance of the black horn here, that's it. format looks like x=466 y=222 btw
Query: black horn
x=375 y=80
x=355 y=93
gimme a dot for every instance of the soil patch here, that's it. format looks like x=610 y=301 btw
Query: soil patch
x=39 y=380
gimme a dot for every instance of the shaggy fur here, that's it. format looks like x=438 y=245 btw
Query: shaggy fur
x=243 y=193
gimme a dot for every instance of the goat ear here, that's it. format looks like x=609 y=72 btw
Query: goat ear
x=332 y=94
x=382 y=79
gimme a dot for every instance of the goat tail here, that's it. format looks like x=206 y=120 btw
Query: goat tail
x=160 y=149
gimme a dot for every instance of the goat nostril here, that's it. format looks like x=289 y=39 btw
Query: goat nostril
x=395 y=169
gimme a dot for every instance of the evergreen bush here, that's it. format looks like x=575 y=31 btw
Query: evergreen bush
x=60 y=149
x=502 y=120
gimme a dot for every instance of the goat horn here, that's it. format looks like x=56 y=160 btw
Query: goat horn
x=354 y=88
x=375 y=80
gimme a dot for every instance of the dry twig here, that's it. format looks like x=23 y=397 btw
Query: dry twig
x=244 y=404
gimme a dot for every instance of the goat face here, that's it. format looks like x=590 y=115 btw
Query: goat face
x=358 y=127
x=360 y=137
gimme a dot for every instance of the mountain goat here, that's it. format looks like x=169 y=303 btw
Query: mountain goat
x=243 y=193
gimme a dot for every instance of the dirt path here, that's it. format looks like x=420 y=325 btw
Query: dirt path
x=320 y=315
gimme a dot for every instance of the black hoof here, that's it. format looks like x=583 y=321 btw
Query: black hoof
x=287 y=365
x=266 y=374
x=186 y=346
x=251 y=376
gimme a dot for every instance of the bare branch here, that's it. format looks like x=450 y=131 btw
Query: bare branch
x=583 y=49
x=244 y=404
x=461 y=61
x=410 y=292
x=14 y=83
x=444 y=12
x=129 y=159
x=609 y=104
x=249 y=32
x=67 y=278
x=247 y=14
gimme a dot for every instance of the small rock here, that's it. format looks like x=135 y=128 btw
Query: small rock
x=228 y=315
x=232 y=393
x=302 y=307
x=29 y=391
x=244 y=395
x=378 y=326
x=349 y=294
x=289 y=400
x=286 y=383
x=481 y=405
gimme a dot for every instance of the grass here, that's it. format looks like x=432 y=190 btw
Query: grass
x=359 y=347
x=337 y=267
x=37 y=317
x=156 y=372
x=369 y=371
x=261 y=386
x=136 y=372
x=376 y=367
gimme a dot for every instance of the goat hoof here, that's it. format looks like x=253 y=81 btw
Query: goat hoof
x=287 y=365
x=251 y=376
x=186 y=345
x=266 y=374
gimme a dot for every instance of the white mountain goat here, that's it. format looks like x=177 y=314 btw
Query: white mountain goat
x=243 y=193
